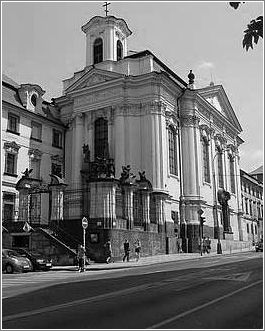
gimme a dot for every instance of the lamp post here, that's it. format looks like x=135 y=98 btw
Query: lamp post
x=219 y=246
x=84 y=225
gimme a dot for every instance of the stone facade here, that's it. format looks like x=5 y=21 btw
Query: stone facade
x=125 y=115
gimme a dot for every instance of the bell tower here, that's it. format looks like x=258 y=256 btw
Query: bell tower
x=106 y=39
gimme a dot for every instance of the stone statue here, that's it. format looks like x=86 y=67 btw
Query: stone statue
x=86 y=153
x=126 y=176
x=27 y=172
x=142 y=176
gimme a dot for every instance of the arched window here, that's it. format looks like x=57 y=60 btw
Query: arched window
x=220 y=169
x=98 y=50
x=206 y=162
x=232 y=174
x=119 y=50
x=101 y=138
x=173 y=155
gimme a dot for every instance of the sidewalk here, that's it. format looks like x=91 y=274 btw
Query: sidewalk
x=147 y=260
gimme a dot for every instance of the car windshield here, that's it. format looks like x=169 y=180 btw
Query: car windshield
x=12 y=253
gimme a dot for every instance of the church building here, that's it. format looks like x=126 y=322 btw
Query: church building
x=147 y=155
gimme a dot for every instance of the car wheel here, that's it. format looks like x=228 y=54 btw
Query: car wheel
x=9 y=269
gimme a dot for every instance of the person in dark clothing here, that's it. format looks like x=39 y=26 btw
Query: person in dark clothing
x=208 y=245
x=126 y=246
x=108 y=251
x=137 y=249
x=80 y=258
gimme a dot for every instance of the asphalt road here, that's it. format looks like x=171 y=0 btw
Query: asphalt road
x=215 y=293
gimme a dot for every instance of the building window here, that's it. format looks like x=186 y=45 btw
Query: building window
x=56 y=170
x=35 y=165
x=250 y=207
x=206 y=161
x=232 y=174
x=57 y=139
x=220 y=170
x=11 y=164
x=252 y=231
x=8 y=206
x=101 y=138
x=247 y=228
x=33 y=99
x=13 y=123
x=36 y=131
x=98 y=50
x=173 y=156
x=256 y=231
x=119 y=50
x=246 y=206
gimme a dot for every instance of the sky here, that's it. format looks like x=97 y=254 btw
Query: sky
x=42 y=43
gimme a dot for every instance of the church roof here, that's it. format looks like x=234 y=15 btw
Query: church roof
x=159 y=62
x=258 y=171
x=107 y=19
x=10 y=95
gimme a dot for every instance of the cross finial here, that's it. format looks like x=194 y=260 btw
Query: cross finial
x=106 y=9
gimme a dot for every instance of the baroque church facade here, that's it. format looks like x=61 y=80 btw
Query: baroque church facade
x=146 y=155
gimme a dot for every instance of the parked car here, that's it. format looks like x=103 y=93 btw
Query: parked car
x=38 y=260
x=12 y=261
x=259 y=246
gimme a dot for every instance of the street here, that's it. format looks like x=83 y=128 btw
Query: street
x=217 y=292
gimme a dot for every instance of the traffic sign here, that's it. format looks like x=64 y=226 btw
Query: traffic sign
x=84 y=223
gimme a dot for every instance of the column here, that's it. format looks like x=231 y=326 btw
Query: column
x=146 y=208
x=190 y=176
x=128 y=205
x=77 y=149
x=103 y=202
x=159 y=198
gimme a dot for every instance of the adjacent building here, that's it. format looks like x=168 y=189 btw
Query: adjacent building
x=252 y=204
x=32 y=140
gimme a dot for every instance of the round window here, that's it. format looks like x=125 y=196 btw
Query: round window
x=33 y=99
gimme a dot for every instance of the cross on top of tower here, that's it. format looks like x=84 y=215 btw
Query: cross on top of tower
x=106 y=9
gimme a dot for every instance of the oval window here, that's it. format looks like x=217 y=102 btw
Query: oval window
x=33 y=100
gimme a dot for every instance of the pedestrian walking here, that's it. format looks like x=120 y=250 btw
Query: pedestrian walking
x=126 y=246
x=208 y=245
x=108 y=251
x=137 y=249
x=80 y=258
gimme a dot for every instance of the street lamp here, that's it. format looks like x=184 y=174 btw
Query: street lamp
x=219 y=246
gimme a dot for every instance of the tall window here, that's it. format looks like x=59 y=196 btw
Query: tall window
x=35 y=165
x=101 y=138
x=119 y=50
x=206 y=162
x=173 y=155
x=56 y=169
x=250 y=207
x=232 y=174
x=247 y=228
x=57 y=138
x=220 y=170
x=8 y=206
x=13 y=123
x=36 y=131
x=246 y=206
x=98 y=50
x=11 y=164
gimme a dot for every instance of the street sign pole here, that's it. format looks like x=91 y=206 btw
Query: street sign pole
x=84 y=225
x=84 y=245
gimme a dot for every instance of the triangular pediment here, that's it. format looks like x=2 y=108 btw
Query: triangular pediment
x=93 y=77
x=215 y=95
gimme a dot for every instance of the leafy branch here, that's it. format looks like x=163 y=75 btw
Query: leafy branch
x=254 y=29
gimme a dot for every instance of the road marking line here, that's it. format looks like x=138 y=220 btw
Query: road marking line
x=172 y=319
